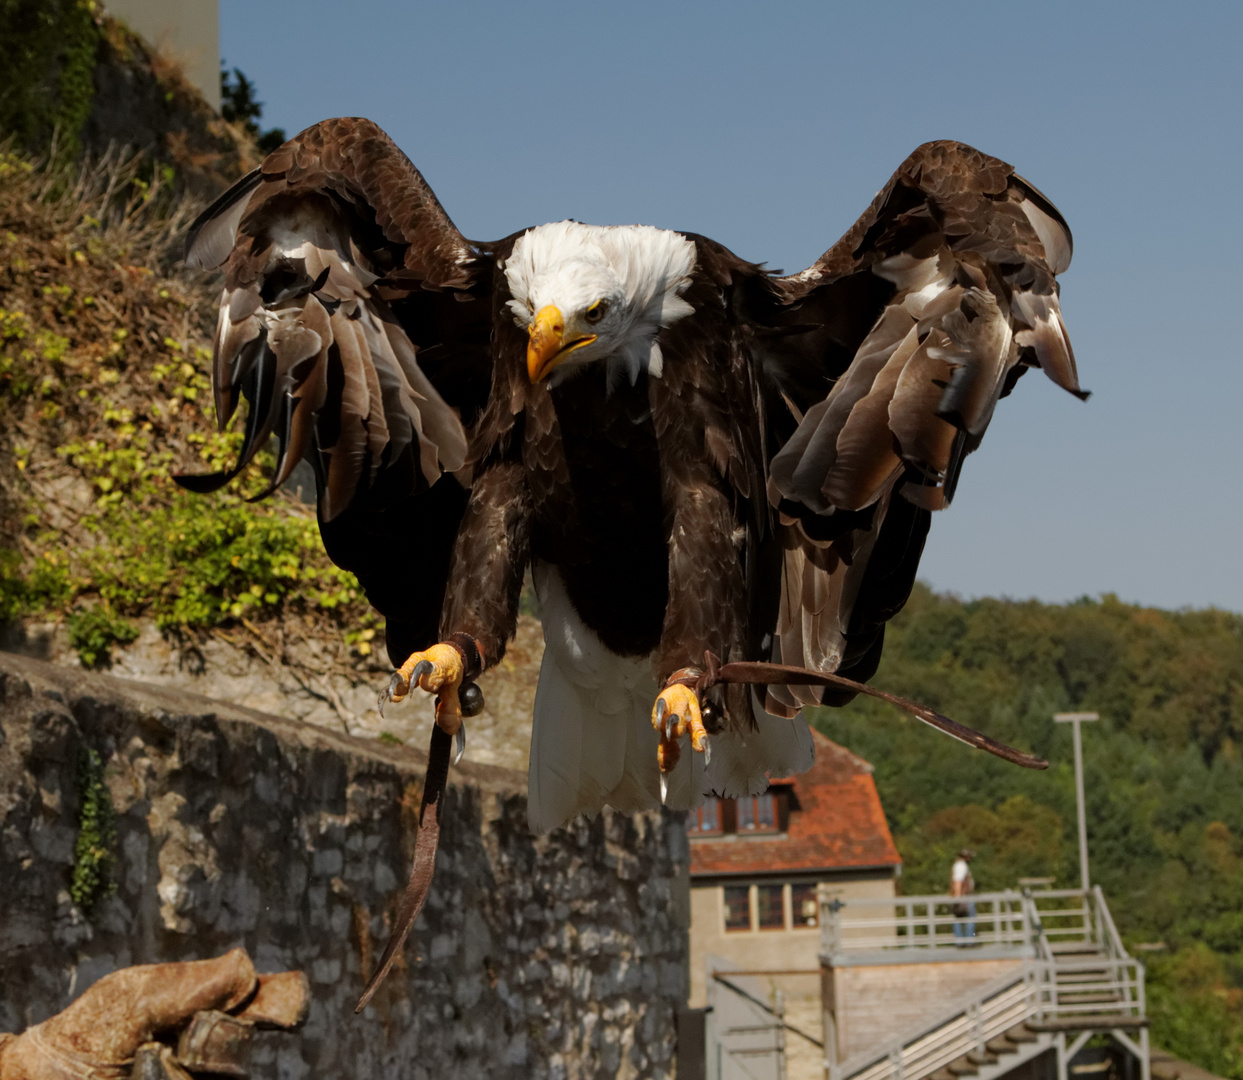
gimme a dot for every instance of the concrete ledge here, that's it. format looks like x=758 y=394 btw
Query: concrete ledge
x=880 y=957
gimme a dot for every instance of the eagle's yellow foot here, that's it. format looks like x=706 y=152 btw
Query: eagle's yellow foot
x=438 y=670
x=675 y=713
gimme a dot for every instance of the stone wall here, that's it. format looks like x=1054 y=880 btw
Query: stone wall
x=561 y=956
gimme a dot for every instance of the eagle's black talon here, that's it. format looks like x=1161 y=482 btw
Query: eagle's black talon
x=460 y=740
x=660 y=711
x=423 y=667
x=386 y=695
x=471 y=699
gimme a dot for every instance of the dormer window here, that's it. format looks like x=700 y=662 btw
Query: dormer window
x=758 y=814
x=706 y=820
x=751 y=815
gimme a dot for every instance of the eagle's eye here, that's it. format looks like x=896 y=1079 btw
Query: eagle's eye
x=596 y=312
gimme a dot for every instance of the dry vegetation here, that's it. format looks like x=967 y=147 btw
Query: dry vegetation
x=104 y=395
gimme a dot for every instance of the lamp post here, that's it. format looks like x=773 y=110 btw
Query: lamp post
x=1077 y=718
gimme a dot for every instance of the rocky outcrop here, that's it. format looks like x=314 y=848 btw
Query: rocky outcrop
x=560 y=956
x=306 y=684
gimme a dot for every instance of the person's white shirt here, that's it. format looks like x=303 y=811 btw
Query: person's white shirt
x=960 y=878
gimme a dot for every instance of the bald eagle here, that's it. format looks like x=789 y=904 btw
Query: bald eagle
x=692 y=455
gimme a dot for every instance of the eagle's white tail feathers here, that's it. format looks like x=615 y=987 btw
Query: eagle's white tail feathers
x=593 y=742
x=588 y=736
x=577 y=749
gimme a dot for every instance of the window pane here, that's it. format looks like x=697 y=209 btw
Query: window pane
x=709 y=816
x=737 y=907
x=772 y=907
x=803 y=905
x=765 y=817
x=746 y=813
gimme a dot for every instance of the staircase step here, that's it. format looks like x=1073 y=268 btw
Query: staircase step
x=976 y=1058
x=1001 y=1045
x=1021 y=1033
x=963 y=1066
x=1089 y=1023
x=1088 y=997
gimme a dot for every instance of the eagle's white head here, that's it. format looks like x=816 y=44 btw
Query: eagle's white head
x=594 y=292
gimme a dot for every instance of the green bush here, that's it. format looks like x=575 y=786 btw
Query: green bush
x=107 y=407
x=94 y=630
x=1195 y=1013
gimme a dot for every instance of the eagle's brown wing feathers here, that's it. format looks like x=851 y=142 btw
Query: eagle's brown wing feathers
x=320 y=244
x=355 y=320
x=917 y=321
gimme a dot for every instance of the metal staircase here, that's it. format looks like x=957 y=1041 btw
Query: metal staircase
x=1078 y=980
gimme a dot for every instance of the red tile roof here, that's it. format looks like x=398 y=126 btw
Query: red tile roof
x=839 y=825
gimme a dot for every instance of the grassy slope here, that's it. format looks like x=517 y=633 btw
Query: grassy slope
x=104 y=393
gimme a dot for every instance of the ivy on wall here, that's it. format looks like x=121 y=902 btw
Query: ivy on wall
x=48 y=78
x=94 y=850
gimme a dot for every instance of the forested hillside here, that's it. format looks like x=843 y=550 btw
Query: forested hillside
x=1163 y=776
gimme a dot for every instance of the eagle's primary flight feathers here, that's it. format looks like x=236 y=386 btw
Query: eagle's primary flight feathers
x=692 y=454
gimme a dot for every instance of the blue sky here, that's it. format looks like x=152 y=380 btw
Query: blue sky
x=769 y=126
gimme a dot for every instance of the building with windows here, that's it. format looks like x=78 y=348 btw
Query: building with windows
x=755 y=864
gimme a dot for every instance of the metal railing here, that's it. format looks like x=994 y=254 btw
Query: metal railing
x=1111 y=940
x=1072 y=918
x=923 y=922
x=745 y=1036
x=1060 y=917
x=1091 y=988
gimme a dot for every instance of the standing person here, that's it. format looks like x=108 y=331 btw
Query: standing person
x=962 y=885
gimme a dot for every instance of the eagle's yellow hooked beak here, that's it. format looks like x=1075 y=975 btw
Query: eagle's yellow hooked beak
x=547 y=345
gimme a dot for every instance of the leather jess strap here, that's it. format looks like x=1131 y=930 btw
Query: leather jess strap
x=759 y=673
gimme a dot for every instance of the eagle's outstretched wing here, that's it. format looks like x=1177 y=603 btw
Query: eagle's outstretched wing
x=355 y=321
x=918 y=320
